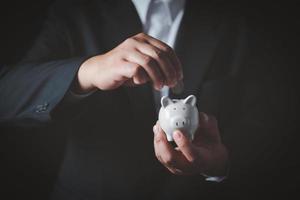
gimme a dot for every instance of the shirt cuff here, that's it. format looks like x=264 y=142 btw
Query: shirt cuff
x=73 y=97
x=79 y=96
x=217 y=179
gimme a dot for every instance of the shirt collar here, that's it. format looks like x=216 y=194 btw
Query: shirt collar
x=142 y=7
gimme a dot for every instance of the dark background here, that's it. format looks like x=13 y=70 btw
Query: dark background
x=30 y=158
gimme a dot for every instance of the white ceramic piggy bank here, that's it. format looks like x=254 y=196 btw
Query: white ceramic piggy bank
x=181 y=114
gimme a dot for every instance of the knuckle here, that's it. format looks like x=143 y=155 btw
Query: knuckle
x=182 y=144
x=159 y=54
x=170 y=75
x=167 y=49
x=140 y=34
x=128 y=41
x=147 y=60
x=127 y=70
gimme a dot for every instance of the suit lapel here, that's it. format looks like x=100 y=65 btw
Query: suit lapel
x=196 y=45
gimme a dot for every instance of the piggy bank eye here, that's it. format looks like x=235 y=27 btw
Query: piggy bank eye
x=183 y=108
x=174 y=108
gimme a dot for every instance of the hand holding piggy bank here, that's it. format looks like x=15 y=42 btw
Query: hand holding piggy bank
x=178 y=114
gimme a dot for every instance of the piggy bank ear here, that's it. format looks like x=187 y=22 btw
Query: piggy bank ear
x=191 y=100
x=165 y=101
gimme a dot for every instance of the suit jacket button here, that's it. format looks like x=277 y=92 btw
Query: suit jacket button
x=42 y=107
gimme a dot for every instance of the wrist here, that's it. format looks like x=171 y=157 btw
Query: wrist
x=83 y=83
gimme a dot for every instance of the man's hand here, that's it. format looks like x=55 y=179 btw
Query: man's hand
x=137 y=60
x=204 y=155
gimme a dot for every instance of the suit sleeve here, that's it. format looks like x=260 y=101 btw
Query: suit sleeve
x=32 y=89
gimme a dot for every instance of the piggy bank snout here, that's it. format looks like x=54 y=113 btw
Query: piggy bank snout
x=179 y=122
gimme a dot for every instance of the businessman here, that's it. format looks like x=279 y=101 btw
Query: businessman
x=99 y=68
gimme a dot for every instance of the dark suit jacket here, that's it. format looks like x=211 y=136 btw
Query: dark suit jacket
x=109 y=153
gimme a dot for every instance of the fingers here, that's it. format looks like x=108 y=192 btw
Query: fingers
x=157 y=59
x=168 y=51
x=179 y=161
x=173 y=160
x=163 y=60
x=133 y=71
x=128 y=69
x=163 y=150
x=141 y=77
x=149 y=65
x=192 y=157
x=185 y=146
x=137 y=60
